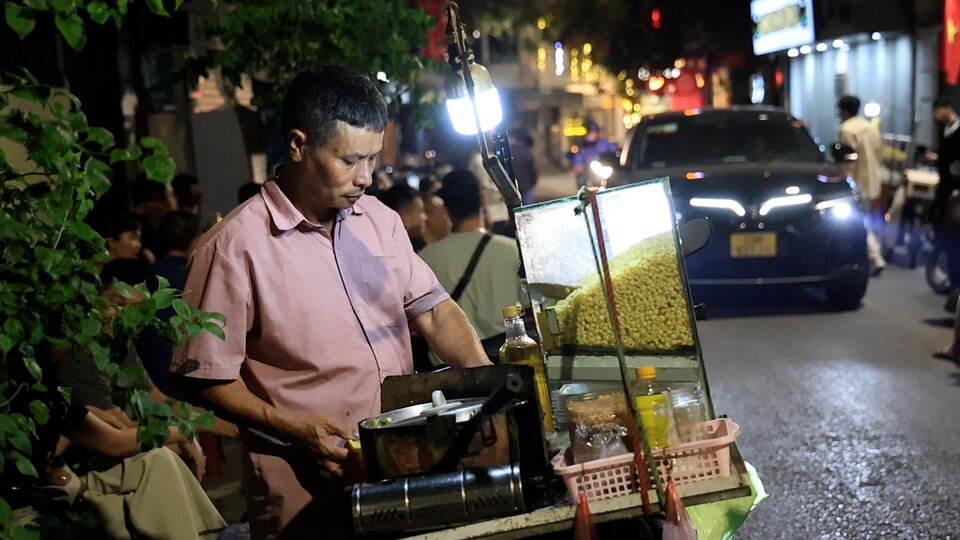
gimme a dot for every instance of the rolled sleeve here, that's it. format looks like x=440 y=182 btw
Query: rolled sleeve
x=216 y=284
x=421 y=290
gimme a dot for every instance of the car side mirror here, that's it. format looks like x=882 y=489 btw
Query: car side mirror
x=695 y=234
x=840 y=153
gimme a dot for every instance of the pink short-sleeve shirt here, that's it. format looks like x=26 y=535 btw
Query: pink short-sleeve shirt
x=314 y=324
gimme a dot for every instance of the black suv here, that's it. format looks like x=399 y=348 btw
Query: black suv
x=782 y=213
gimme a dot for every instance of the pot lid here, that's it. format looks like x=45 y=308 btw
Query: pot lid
x=461 y=409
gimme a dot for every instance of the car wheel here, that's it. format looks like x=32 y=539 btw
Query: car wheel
x=847 y=293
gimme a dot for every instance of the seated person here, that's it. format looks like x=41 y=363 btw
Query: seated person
x=494 y=283
x=123 y=234
x=148 y=495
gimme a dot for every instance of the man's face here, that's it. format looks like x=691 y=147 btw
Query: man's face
x=438 y=220
x=125 y=246
x=414 y=218
x=592 y=136
x=942 y=115
x=337 y=173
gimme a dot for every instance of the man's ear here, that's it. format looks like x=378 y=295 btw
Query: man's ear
x=296 y=145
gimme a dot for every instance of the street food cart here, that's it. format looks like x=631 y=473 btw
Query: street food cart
x=608 y=294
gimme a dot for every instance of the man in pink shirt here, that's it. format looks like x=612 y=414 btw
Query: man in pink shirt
x=319 y=285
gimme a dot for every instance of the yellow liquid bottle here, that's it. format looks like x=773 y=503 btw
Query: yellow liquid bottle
x=522 y=350
x=652 y=406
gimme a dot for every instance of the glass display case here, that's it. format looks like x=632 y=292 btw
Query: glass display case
x=560 y=257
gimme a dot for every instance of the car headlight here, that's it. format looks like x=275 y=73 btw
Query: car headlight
x=601 y=170
x=841 y=208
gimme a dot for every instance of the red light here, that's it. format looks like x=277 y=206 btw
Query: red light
x=778 y=78
x=655 y=17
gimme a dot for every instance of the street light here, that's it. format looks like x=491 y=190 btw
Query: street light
x=474 y=106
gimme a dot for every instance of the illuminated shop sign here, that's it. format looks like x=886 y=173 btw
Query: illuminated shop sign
x=781 y=24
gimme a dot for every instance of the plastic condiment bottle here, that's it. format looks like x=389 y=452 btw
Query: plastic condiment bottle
x=652 y=406
x=521 y=349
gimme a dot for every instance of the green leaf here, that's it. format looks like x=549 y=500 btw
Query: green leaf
x=40 y=5
x=33 y=367
x=131 y=316
x=101 y=136
x=77 y=121
x=6 y=343
x=35 y=93
x=182 y=309
x=64 y=393
x=205 y=420
x=122 y=154
x=63 y=6
x=6 y=513
x=187 y=411
x=101 y=355
x=19 y=20
x=99 y=11
x=40 y=412
x=122 y=288
x=164 y=298
x=13 y=328
x=159 y=168
x=23 y=533
x=214 y=329
x=156 y=6
x=194 y=330
x=19 y=440
x=153 y=143
x=217 y=317
x=72 y=29
x=25 y=467
x=90 y=327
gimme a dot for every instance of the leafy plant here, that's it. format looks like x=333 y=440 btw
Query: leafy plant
x=276 y=39
x=49 y=300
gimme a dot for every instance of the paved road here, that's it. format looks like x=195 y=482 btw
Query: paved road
x=851 y=423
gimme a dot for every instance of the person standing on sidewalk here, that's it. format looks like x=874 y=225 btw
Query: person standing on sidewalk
x=864 y=137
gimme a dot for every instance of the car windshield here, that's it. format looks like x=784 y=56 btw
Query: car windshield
x=723 y=138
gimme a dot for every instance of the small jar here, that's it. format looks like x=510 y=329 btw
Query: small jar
x=595 y=425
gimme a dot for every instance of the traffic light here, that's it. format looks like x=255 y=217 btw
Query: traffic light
x=655 y=17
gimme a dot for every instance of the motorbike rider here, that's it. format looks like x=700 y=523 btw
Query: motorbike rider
x=592 y=147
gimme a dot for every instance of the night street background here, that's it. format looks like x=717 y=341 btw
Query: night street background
x=850 y=421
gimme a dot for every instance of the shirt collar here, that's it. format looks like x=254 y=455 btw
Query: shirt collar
x=286 y=216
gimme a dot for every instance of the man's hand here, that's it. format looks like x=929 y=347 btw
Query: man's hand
x=322 y=437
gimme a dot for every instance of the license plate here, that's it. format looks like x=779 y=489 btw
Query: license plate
x=761 y=244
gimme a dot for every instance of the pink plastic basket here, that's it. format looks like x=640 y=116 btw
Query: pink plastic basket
x=705 y=456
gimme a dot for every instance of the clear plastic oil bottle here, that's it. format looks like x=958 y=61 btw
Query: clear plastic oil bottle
x=521 y=349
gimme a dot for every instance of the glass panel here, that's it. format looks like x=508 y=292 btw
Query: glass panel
x=641 y=245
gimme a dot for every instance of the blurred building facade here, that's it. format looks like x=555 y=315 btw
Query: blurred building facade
x=886 y=53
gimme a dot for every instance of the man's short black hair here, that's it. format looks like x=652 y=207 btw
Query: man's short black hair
x=849 y=105
x=461 y=195
x=248 y=190
x=399 y=197
x=144 y=190
x=120 y=223
x=318 y=98
x=942 y=101
x=129 y=271
x=183 y=189
x=178 y=230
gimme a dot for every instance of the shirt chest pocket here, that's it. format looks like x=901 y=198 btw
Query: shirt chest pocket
x=382 y=294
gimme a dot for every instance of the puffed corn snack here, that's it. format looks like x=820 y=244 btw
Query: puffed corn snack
x=651 y=302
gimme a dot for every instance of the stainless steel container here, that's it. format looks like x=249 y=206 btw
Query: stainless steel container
x=418 y=502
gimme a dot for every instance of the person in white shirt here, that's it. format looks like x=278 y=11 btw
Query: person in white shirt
x=494 y=283
x=864 y=137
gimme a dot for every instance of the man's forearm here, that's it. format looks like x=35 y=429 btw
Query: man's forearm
x=450 y=336
x=238 y=404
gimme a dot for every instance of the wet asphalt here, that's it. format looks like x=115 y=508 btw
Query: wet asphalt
x=852 y=424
